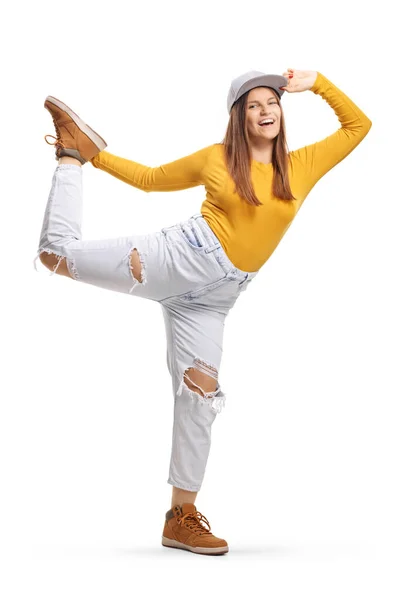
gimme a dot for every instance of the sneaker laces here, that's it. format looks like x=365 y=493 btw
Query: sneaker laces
x=194 y=520
x=58 y=141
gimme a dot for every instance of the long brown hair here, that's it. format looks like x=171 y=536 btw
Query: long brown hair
x=238 y=156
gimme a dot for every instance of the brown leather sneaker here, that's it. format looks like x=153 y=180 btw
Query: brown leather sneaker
x=184 y=529
x=74 y=137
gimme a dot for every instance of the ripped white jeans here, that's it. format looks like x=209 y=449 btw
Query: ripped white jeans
x=185 y=270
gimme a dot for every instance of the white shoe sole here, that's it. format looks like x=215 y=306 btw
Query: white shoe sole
x=175 y=544
x=92 y=135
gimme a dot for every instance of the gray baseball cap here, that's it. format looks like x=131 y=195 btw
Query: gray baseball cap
x=252 y=79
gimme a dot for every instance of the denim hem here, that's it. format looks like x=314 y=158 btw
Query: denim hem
x=66 y=166
x=187 y=488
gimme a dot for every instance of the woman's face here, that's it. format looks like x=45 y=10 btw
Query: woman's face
x=262 y=104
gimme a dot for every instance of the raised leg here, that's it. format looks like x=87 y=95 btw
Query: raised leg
x=115 y=264
x=52 y=260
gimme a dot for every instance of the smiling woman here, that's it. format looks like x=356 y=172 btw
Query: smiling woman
x=263 y=114
x=198 y=268
x=246 y=139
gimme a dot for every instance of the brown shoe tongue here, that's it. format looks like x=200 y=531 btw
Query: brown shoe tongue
x=188 y=507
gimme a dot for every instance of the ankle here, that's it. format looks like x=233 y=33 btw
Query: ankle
x=180 y=496
x=68 y=160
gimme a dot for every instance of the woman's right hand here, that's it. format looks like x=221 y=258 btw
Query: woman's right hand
x=299 y=81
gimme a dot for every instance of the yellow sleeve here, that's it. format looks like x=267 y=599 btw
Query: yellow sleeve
x=317 y=159
x=177 y=175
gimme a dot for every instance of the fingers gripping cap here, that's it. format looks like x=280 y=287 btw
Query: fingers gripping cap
x=252 y=79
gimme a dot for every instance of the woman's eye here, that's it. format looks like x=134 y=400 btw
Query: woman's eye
x=274 y=102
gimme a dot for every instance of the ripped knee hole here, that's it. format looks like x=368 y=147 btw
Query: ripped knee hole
x=203 y=383
x=55 y=263
x=203 y=380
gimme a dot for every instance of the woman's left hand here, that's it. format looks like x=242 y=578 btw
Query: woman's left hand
x=299 y=81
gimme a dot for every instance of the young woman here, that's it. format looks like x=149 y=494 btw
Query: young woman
x=197 y=269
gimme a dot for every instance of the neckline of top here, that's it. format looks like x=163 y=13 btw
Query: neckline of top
x=264 y=164
x=261 y=163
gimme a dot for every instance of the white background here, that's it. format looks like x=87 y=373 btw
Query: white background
x=302 y=478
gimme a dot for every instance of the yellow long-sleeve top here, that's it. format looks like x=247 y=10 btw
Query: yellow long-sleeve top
x=249 y=234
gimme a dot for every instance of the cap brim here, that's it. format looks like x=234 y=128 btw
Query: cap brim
x=273 y=81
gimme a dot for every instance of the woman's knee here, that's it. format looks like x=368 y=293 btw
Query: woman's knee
x=52 y=260
x=200 y=382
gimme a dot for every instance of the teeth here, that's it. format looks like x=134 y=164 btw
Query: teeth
x=266 y=121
